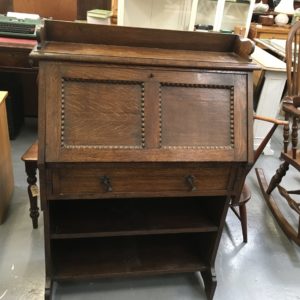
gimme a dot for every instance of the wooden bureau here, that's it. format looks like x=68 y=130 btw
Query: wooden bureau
x=144 y=138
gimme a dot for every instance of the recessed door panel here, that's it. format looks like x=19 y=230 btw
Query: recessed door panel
x=188 y=109
x=102 y=113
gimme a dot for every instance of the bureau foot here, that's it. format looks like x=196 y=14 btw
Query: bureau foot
x=48 y=289
x=210 y=282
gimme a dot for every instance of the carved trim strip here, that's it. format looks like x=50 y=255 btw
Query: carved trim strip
x=122 y=147
x=192 y=85
x=62 y=129
x=232 y=117
x=143 y=115
x=199 y=147
x=160 y=117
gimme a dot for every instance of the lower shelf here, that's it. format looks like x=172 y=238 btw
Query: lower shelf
x=126 y=256
x=148 y=216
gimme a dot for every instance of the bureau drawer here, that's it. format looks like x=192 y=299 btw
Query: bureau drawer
x=114 y=182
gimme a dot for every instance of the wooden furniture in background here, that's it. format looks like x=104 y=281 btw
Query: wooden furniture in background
x=290 y=157
x=6 y=170
x=274 y=79
x=30 y=160
x=137 y=178
x=15 y=64
x=57 y=9
x=5 y=6
x=246 y=193
x=114 y=8
x=84 y=5
x=268 y=32
x=273 y=46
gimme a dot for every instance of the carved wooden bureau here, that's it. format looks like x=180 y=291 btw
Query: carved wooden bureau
x=144 y=137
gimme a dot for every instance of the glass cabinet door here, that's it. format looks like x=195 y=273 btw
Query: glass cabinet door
x=236 y=14
x=216 y=15
x=225 y=15
x=165 y=14
x=206 y=14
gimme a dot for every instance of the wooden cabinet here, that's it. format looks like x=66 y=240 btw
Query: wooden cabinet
x=60 y=10
x=144 y=138
x=6 y=171
x=268 y=32
x=185 y=14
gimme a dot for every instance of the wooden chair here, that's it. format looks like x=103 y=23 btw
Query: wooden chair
x=246 y=193
x=290 y=155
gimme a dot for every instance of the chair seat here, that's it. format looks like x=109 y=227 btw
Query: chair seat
x=245 y=195
x=31 y=153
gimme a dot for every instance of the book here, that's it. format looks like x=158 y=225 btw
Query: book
x=99 y=13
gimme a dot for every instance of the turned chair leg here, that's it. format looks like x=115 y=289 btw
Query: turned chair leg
x=242 y=213
x=276 y=179
x=31 y=168
x=243 y=218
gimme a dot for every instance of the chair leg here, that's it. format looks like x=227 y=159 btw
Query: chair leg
x=31 y=168
x=243 y=218
x=276 y=179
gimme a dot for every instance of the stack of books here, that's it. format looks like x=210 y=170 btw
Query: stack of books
x=99 y=16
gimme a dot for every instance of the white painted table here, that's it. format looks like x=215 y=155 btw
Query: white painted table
x=271 y=94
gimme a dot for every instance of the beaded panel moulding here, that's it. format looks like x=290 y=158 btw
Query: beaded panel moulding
x=228 y=88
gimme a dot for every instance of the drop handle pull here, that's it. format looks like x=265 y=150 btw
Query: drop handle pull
x=190 y=180
x=106 y=182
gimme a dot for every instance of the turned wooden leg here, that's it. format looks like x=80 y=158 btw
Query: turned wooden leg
x=294 y=137
x=276 y=179
x=210 y=282
x=243 y=217
x=31 y=168
x=286 y=134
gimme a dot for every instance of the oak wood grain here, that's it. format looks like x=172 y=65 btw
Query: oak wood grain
x=6 y=170
x=153 y=129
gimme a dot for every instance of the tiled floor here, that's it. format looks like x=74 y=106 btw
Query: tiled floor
x=267 y=267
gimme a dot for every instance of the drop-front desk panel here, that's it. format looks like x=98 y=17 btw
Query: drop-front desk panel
x=144 y=138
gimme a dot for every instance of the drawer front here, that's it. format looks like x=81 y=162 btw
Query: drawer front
x=107 y=182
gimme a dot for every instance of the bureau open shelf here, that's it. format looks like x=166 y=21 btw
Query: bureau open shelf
x=136 y=255
x=121 y=217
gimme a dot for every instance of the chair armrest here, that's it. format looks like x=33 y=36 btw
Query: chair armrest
x=295 y=100
x=271 y=120
x=291 y=109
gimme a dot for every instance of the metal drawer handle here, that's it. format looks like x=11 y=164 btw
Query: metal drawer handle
x=190 y=179
x=106 y=182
